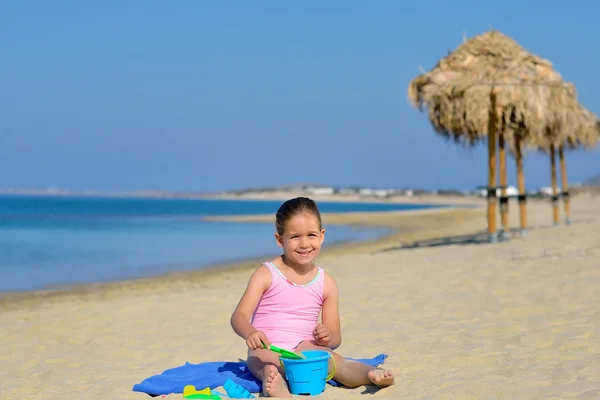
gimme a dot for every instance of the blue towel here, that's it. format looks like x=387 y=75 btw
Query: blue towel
x=214 y=374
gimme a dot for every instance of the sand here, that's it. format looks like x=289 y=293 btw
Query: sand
x=512 y=320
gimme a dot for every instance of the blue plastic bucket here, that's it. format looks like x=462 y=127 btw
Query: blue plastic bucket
x=308 y=376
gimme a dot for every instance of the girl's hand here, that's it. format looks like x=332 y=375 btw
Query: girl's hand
x=322 y=335
x=257 y=340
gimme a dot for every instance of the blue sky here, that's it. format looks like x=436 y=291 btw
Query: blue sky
x=212 y=95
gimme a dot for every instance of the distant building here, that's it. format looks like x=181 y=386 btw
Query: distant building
x=547 y=191
x=320 y=190
x=369 y=192
x=511 y=191
x=347 y=191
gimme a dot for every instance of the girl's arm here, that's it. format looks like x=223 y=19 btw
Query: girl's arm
x=331 y=312
x=240 y=319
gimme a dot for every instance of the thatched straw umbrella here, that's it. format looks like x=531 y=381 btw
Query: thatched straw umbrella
x=584 y=133
x=488 y=87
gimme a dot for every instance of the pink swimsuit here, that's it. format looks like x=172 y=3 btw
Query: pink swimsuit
x=288 y=313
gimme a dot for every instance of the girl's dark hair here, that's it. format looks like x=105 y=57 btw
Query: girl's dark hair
x=293 y=207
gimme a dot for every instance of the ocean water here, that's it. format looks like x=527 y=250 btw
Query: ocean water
x=50 y=241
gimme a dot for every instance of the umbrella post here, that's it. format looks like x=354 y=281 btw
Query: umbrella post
x=504 y=233
x=521 y=185
x=564 y=184
x=491 y=192
x=555 y=211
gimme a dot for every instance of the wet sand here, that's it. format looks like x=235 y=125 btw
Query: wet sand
x=511 y=320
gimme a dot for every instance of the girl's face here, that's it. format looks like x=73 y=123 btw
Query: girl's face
x=301 y=242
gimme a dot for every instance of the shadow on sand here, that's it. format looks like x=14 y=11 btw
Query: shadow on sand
x=461 y=240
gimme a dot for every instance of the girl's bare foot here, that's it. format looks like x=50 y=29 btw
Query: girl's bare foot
x=274 y=384
x=381 y=377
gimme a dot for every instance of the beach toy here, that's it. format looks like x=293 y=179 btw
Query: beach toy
x=235 y=391
x=190 y=392
x=285 y=353
x=308 y=376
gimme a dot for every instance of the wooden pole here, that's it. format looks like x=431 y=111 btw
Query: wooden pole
x=555 y=211
x=565 y=184
x=521 y=185
x=504 y=234
x=491 y=193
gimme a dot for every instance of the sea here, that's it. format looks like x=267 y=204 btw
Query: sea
x=51 y=241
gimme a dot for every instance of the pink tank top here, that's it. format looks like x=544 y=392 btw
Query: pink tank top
x=287 y=313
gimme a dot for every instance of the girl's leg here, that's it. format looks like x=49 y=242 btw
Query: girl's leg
x=264 y=365
x=353 y=373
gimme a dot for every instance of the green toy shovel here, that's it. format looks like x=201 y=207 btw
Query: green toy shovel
x=285 y=353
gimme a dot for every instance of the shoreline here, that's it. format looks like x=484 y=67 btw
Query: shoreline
x=404 y=225
x=420 y=199
x=276 y=195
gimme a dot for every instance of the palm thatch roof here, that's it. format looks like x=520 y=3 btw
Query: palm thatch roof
x=586 y=132
x=528 y=94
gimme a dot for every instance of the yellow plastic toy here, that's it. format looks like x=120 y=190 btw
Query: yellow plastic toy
x=190 y=392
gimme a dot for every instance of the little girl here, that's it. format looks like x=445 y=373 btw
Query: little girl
x=282 y=302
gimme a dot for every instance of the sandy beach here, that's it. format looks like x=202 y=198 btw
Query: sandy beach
x=470 y=320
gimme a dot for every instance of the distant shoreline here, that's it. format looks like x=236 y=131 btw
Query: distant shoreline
x=279 y=195
x=403 y=195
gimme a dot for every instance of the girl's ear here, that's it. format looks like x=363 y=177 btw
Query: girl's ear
x=322 y=235
x=279 y=240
